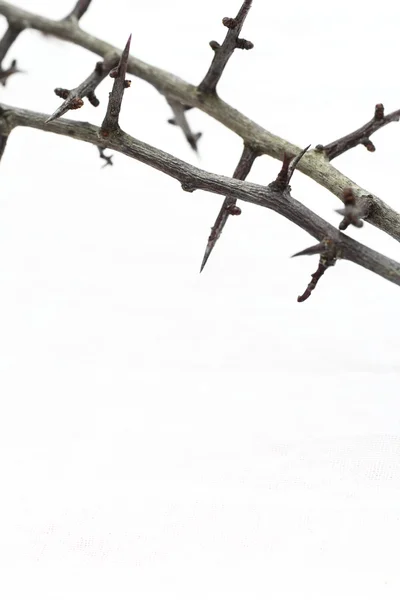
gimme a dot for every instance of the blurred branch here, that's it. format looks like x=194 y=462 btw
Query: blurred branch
x=181 y=121
x=3 y=143
x=223 y=52
x=6 y=42
x=354 y=210
x=192 y=178
x=79 y=10
x=107 y=159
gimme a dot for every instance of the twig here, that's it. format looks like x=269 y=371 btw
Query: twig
x=107 y=159
x=73 y=99
x=354 y=210
x=229 y=207
x=3 y=143
x=314 y=163
x=361 y=135
x=328 y=255
x=6 y=42
x=110 y=123
x=79 y=10
x=194 y=178
x=289 y=165
x=222 y=53
x=181 y=121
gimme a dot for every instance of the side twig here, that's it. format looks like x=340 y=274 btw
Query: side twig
x=73 y=99
x=110 y=123
x=328 y=255
x=223 y=52
x=181 y=121
x=361 y=135
x=354 y=210
x=229 y=207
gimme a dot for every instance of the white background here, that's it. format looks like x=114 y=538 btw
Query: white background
x=175 y=436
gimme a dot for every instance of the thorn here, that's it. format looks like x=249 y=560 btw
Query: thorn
x=379 y=112
x=317 y=249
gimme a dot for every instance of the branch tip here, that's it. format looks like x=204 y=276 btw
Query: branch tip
x=111 y=120
x=223 y=52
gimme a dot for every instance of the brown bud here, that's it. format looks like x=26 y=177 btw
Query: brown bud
x=234 y=210
x=76 y=103
x=229 y=23
x=61 y=93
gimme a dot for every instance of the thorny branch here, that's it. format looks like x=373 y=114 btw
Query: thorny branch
x=222 y=53
x=73 y=99
x=181 y=96
x=314 y=164
x=193 y=178
x=229 y=205
x=110 y=123
x=361 y=135
x=327 y=250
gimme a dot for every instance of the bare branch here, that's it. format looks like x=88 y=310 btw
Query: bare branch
x=6 y=42
x=229 y=205
x=361 y=135
x=73 y=99
x=328 y=255
x=314 y=163
x=107 y=159
x=181 y=121
x=222 y=53
x=3 y=143
x=194 y=178
x=79 y=10
x=110 y=123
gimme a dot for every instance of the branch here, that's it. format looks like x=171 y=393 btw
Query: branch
x=314 y=164
x=361 y=135
x=229 y=205
x=107 y=159
x=6 y=42
x=193 y=178
x=181 y=121
x=79 y=10
x=73 y=99
x=328 y=255
x=354 y=210
x=3 y=143
x=289 y=165
x=223 y=53
x=110 y=123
